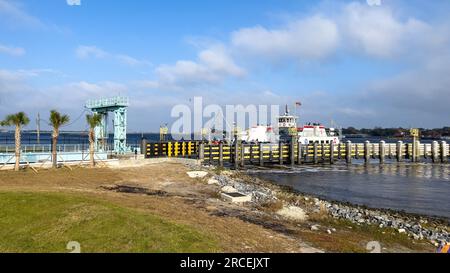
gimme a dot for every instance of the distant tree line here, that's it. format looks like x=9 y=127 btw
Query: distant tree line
x=397 y=132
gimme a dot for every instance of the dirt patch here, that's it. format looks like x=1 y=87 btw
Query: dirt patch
x=135 y=190
x=257 y=218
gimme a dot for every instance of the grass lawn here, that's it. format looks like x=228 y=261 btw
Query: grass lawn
x=46 y=222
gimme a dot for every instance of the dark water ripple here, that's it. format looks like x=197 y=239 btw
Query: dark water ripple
x=420 y=188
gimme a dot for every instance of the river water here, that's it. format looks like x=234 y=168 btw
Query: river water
x=414 y=188
x=28 y=138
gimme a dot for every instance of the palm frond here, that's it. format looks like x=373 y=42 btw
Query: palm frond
x=57 y=119
x=18 y=119
x=94 y=120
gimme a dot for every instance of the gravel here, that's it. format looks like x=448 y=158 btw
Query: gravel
x=413 y=226
x=416 y=227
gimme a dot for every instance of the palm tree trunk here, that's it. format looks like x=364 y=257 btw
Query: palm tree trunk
x=91 y=147
x=17 y=142
x=54 y=148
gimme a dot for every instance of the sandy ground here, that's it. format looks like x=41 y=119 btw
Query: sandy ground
x=166 y=190
x=176 y=197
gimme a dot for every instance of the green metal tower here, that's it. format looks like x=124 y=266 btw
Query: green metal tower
x=118 y=106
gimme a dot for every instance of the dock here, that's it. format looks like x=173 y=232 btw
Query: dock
x=240 y=154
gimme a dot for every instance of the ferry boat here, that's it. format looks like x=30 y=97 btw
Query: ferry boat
x=308 y=134
x=259 y=134
x=316 y=133
x=287 y=127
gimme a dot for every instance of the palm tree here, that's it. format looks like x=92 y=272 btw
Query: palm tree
x=56 y=120
x=93 y=121
x=20 y=119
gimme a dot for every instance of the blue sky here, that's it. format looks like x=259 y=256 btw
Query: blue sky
x=361 y=63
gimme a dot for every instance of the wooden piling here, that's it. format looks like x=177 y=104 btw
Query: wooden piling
x=292 y=151
x=183 y=149
x=425 y=151
x=201 y=151
x=367 y=152
x=221 y=154
x=299 y=153
x=417 y=151
x=242 y=155
x=332 y=153
x=382 y=151
x=356 y=151
x=348 y=152
x=372 y=154
x=315 y=156
x=444 y=152
x=168 y=148
x=339 y=151
x=280 y=152
x=251 y=154
x=307 y=155
x=322 y=146
x=399 y=151
x=176 y=149
x=261 y=154
x=270 y=153
x=211 y=155
x=236 y=154
x=434 y=151
x=144 y=146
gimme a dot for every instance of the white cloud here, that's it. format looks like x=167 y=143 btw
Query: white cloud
x=125 y=59
x=417 y=97
x=17 y=85
x=374 y=31
x=10 y=81
x=17 y=91
x=218 y=61
x=83 y=90
x=213 y=66
x=377 y=32
x=23 y=74
x=15 y=15
x=374 y=2
x=86 y=52
x=308 y=38
x=13 y=51
x=423 y=89
x=74 y=2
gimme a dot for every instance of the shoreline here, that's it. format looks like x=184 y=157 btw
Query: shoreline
x=430 y=218
x=434 y=229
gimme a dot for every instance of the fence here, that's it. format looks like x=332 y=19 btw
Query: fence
x=42 y=157
x=44 y=148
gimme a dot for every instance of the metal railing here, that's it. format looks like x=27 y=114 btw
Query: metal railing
x=44 y=148
x=109 y=102
x=61 y=148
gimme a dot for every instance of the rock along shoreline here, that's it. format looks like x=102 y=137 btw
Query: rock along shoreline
x=418 y=227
